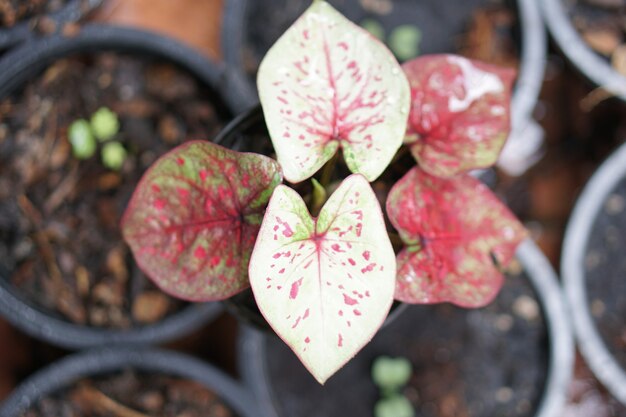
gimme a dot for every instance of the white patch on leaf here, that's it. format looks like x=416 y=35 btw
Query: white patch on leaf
x=326 y=84
x=325 y=285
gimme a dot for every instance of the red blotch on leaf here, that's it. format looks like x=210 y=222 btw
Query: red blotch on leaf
x=453 y=228
x=176 y=217
x=460 y=112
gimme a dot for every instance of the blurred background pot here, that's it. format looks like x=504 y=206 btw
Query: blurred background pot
x=23 y=65
x=62 y=378
x=593 y=273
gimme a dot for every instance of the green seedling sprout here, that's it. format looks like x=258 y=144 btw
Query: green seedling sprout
x=113 y=155
x=104 y=124
x=390 y=375
x=395 y=406
x=81 y=139
x=404 y=41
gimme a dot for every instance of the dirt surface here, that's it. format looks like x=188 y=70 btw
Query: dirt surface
x=480 y=29
x=605 y=271
x=15 y=11
x=59 y=216
x=131 y=394
x=483 y=363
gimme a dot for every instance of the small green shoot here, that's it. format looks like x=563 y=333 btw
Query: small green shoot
x=113 y=155
x=404 y=41
x=319 y=196
x=394 y=406
x=81 y=139
x=390 y=375
x=104 y=124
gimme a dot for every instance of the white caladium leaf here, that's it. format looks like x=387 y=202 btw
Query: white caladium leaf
x=326 y=84
x=325 y=285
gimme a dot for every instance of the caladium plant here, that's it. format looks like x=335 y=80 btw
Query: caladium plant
x=206 y=223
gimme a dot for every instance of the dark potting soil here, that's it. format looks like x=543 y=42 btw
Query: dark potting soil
x=602 y=24
x=606 y=272
x=466 y=363
x=14 y=11
x=60 y=240
x=478 y=29
x=131 y=394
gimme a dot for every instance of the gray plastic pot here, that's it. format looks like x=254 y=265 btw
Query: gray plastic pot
x=593 y=66
x=579 y=229
x=523 y=148
x=16 y=68
x=72 y=369
x=561 y=345
x=73 y=11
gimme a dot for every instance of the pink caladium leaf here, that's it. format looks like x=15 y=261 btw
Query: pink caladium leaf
x=460 y=113
x=457 y=235
x=325 y=285
x=328 y=84
x=194 y=217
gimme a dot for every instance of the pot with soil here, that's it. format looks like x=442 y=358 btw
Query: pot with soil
x=592 y=34
x=593 y=264
x=513 y=357
x=24 y=19
x=504 y=32
x=82 y=117
x=127 y=382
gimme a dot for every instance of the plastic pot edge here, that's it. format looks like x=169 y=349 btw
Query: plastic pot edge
x=577 y=234
x=582 y=56
x=70 y=369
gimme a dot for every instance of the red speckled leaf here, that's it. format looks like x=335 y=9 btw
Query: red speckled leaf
x=326 y=84
x=325 y=285
x=460 y=113
x=194 y=217
x=453 y=230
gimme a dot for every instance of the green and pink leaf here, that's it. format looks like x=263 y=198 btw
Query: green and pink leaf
x=460 y=113
x=194 y=217
x=325 y=285
x=454 y=230
x=328 y=84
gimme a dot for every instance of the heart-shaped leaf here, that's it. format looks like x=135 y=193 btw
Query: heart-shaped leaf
x=460 y=113
x=194 y=217
x=325 y=285
x=454 y=229
x=326 y=84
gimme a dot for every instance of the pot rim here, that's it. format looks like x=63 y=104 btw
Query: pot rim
x=16 y=67
x=592 y=66
x=527 y=87
x=73 y=11
x=579 y=228
x=70 y=369
x=251 y=347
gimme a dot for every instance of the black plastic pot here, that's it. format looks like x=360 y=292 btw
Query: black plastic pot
x=254 y=355
x=73 y=11
x=526 y=138
x=593 y=66
x=15 y=69
x=590 y=214
x=70 y=370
